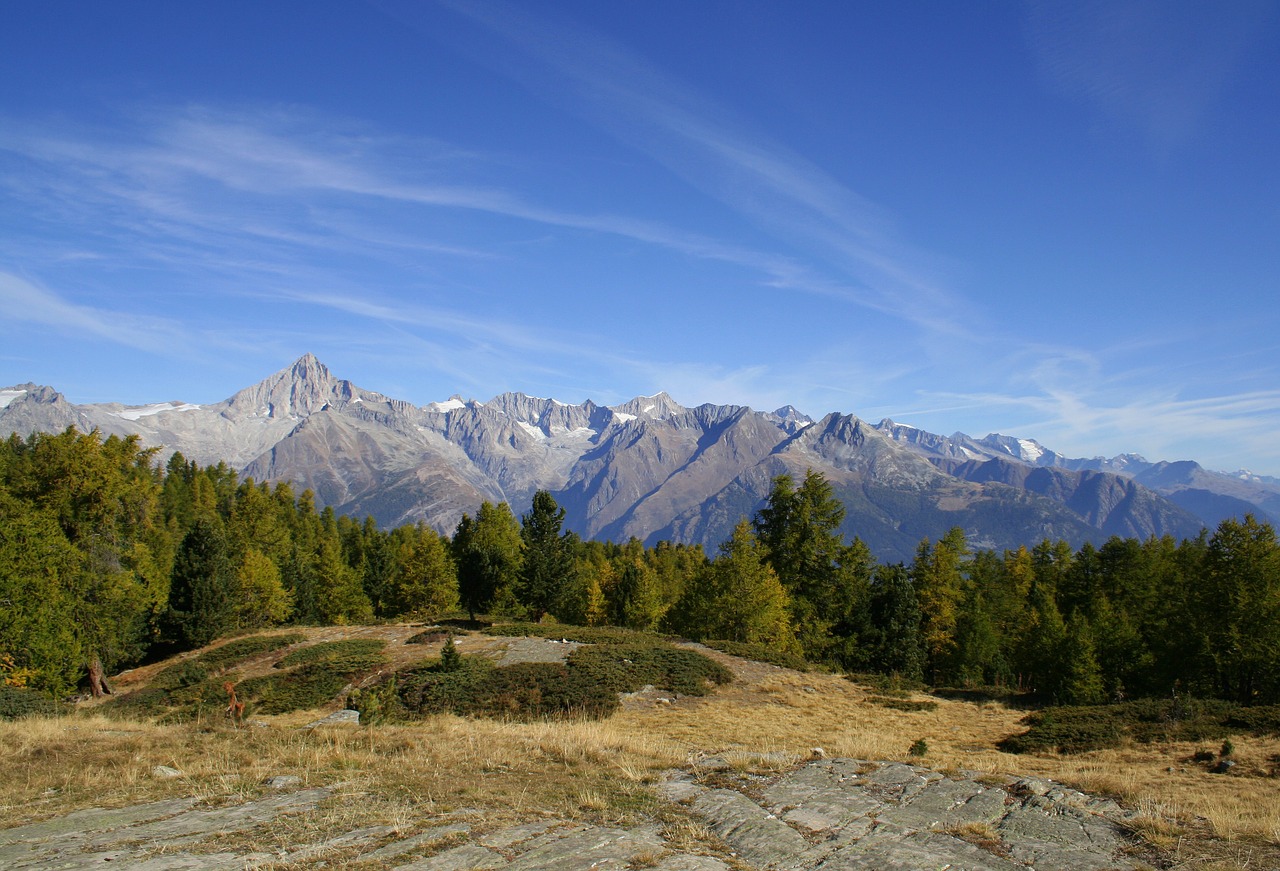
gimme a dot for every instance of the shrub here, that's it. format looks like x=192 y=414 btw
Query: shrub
x=909 y=705
x=625 y=668
x=762 y=653
x=1094 y=727
x=580 y=634
x=19 y=702
x=221 y=658
x=214 y=662
x=349 y=656
x=310 y=677
x=524 y=691
x=313 y=675
x=919 y=748
x=307 y=686
x=429 y=636
x=377 y=704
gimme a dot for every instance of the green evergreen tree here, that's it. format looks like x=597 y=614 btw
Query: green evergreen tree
x=425 y=581
x=737 y=597
x=258 y=596
x=487 y=553
x=200 y=594
x=1238 y=611
x=938 y=576
x=37 y=613
x=1077 y=679
x=548 y=564
x=339 y=595
x=634 y=599
x=895 y=644
x=799 y=529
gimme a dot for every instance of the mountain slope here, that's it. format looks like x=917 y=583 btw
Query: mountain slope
x=648 y=468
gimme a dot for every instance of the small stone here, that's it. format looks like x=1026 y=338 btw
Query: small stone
x=338 y=718
x=164 y=772
x=1223 y=766
x=282 y=781
x=818 y=753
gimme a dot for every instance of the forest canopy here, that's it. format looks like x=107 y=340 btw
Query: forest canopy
x=105 y=555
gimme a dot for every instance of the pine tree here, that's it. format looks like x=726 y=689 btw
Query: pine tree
x=799 y=529
x=1239 y=611
x=425 y=581
x=633 y=598
x=259 y=598
x=37 y=620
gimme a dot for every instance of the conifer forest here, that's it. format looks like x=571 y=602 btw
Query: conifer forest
x=108 y=557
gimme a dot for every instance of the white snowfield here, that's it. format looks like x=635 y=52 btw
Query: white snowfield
x=7 y=396
x=140 y=411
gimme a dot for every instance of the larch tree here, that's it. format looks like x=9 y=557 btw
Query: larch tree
x=736 y=597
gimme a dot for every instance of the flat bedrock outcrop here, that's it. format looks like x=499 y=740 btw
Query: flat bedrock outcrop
x=825 y=815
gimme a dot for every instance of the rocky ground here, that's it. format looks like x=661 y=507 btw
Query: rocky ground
x=824 y=815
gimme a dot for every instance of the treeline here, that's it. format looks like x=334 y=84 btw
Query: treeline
x=104 y=555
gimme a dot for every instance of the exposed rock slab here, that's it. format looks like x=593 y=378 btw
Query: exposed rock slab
x=825 y=815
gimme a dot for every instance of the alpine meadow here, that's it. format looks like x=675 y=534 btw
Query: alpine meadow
x=443 y=435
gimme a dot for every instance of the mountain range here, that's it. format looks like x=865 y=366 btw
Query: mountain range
x=653 y=469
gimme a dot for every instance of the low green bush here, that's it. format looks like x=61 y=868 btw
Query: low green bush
x=19 y=702
x=351 y=655
x=312 y=676
x=221 y=658
x=625 y=668
x=580 y=634
x=307 y=686
x=761 y=653
x=525 y=691
x=211 y=663
x=909 y=705
x=309 y=677
x=1077 y=729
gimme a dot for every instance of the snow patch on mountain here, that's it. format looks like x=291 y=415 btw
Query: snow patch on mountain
x=446 y=406
x=1031 y=451
x=532 y=430
x=140 y=411
x=7 y=396
x=623 y=417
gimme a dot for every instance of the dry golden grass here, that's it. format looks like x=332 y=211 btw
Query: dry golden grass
x=491 y=773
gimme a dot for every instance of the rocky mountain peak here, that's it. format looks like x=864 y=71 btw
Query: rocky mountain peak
x=297 y=391
x=660 y=406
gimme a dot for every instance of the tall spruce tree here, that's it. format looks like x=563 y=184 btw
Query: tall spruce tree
x=895 y=644
x=200 y=594
x=487 y=553
x=548 y=562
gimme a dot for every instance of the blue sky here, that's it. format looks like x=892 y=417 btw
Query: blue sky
x=1057 y=221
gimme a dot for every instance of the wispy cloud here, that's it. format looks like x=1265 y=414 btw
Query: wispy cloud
x=699 y=140
x=24 y=302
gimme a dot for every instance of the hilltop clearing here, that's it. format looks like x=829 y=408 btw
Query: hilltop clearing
x=776 y=768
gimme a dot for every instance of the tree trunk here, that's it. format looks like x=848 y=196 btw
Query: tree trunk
x=97 y=678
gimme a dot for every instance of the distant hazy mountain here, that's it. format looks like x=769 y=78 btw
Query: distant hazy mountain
x=1209 y=496
x=651 y=468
